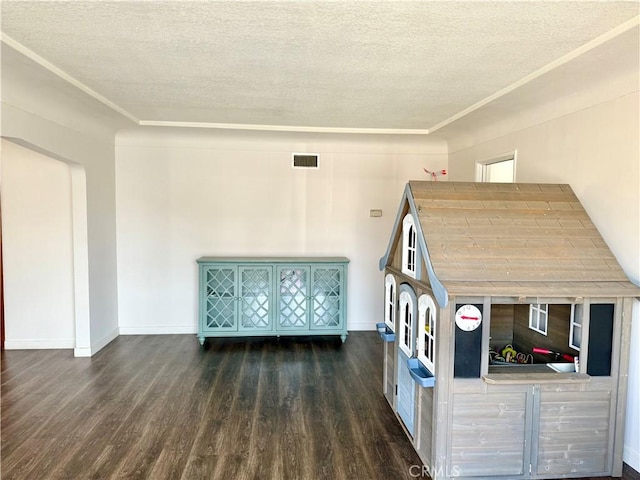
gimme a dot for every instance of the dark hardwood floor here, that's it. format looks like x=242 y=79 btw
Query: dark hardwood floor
x=162 y=407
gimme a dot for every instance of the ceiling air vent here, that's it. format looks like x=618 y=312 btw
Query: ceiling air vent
x=306 y=160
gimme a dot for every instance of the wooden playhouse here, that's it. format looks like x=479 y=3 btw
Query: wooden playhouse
x=506 y=332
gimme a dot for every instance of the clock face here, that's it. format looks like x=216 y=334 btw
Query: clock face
x=468 y=317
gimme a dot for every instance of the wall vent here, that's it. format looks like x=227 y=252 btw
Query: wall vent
x=306 y=160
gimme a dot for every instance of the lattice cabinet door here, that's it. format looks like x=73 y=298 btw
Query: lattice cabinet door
x=255 y=298
x=293 y=297
x=220 y=297
x=327 y=297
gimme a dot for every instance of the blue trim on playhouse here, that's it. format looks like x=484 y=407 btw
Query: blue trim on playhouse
x=439 y=290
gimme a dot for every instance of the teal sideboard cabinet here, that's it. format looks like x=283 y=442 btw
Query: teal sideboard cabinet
x=261 y=296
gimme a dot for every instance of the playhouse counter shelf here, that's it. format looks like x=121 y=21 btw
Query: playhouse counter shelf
x=536 y=376
x=272 y=296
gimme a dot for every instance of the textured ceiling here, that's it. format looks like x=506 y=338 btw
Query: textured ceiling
x=323 y=64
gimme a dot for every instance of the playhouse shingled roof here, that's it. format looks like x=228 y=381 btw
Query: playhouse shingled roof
x=513 y=239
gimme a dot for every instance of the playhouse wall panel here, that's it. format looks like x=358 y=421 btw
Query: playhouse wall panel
x=573 y=432
x=390 y=365
x=488 y=434
x=426 y=424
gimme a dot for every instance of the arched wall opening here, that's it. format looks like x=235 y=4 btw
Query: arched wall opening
x=46 y=281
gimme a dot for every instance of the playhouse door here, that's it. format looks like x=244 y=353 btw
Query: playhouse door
x=406 y=342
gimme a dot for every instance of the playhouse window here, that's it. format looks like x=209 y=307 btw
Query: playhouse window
x=426 y=331
x=512 y=341
x=538 y=314
x=409 y=241
x=390 y=301
x=406 y=323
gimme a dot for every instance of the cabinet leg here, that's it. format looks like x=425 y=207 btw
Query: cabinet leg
x=343 y=337
x=201 y=339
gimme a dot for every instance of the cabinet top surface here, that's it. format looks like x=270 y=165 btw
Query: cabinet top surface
x=283 y=260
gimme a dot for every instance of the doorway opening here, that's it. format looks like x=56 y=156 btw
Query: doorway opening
x=501 y=169
x=46 y=232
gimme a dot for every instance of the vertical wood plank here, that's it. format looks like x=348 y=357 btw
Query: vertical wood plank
x=443 y=395
x=621 y=365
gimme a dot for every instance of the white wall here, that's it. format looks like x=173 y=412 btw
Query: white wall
x=597 y=151
x=50 y=116
x=185 y=194
x=37 y=250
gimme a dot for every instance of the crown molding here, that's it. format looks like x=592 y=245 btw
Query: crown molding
x=620 y=29
x=65 y=76
x=284 y=128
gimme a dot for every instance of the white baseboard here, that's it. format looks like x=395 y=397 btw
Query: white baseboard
x=159 y=330
x=82 y=352
x=39 y=343
x=361 y=327
x=104 y=341
x=632 y=458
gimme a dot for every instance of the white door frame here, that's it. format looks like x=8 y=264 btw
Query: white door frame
x=481 y=165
